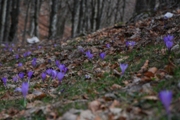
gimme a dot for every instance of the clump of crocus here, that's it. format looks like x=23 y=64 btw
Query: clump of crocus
x=123 y=67
x=168 y=40
x=62 y=68
x=130 y=43
x=102 y=55
x=4 y=80
x=60 y=76
x=43 y=76
x=24 y=89
x=89 y=55
x=21 y=75
x=165 y=97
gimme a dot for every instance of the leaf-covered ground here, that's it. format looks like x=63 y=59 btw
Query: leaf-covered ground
x=95 y=89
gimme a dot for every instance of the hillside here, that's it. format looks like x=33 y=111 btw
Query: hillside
x=116 y=73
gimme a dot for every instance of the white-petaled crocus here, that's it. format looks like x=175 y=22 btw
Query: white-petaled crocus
x=123 y=67
x=102 y=55
x=60 y=76
x=30 y=73
x=89 y=55
x=165 y=97
x=21 y=75
x=4 y=79
x=43 y=76
x=130 y=43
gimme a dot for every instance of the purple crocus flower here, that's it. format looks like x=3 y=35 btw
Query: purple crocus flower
x=62 y=68
x=168 y=38
x=49 y=71
x=102 y=55
x=24 y=89
x=165 y=97
x=60 y=76
x=123 y=67
x=30 y=73
x=28 y=53
x=4 y=79
x=15 y=78
x=43 y=76
x=54 y=74
x=20 y=64
x=169 y=44
x=57 y=62
x=25 y=54
x=17 y=56
x=108 y=45
x=89 y=55
x=21 y=75
x=130 y=43
x=34 y=62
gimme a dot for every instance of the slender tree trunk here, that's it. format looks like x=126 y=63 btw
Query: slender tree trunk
x=7 y=21
x=53 y=19
x=14 y=19
x=26 y=21
x=75 y=17
x=34 y=27
x=3 y=18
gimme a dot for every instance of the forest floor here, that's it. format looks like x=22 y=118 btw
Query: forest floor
x=96 y=89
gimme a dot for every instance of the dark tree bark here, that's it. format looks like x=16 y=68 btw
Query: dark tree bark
x=34 y=26
x=14 y=19
x=26 y=21
x=53 y=19
x=7 y=21
x=3 y=18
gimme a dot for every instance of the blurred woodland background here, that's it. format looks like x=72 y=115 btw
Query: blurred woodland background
x=63 y=19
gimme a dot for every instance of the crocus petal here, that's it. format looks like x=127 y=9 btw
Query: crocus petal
x=123 y=67
x=25 y=88
x=165 y=97
x=18 y=89
x=60 y=76
x=89 y=55
x=102 y=55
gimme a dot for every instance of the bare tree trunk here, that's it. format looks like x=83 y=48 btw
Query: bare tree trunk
x=26 y=20
x=7 y=21
x=53 y=19
x=34 y=27
x=14 y=19
x=75 y=17
x=3 y=18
